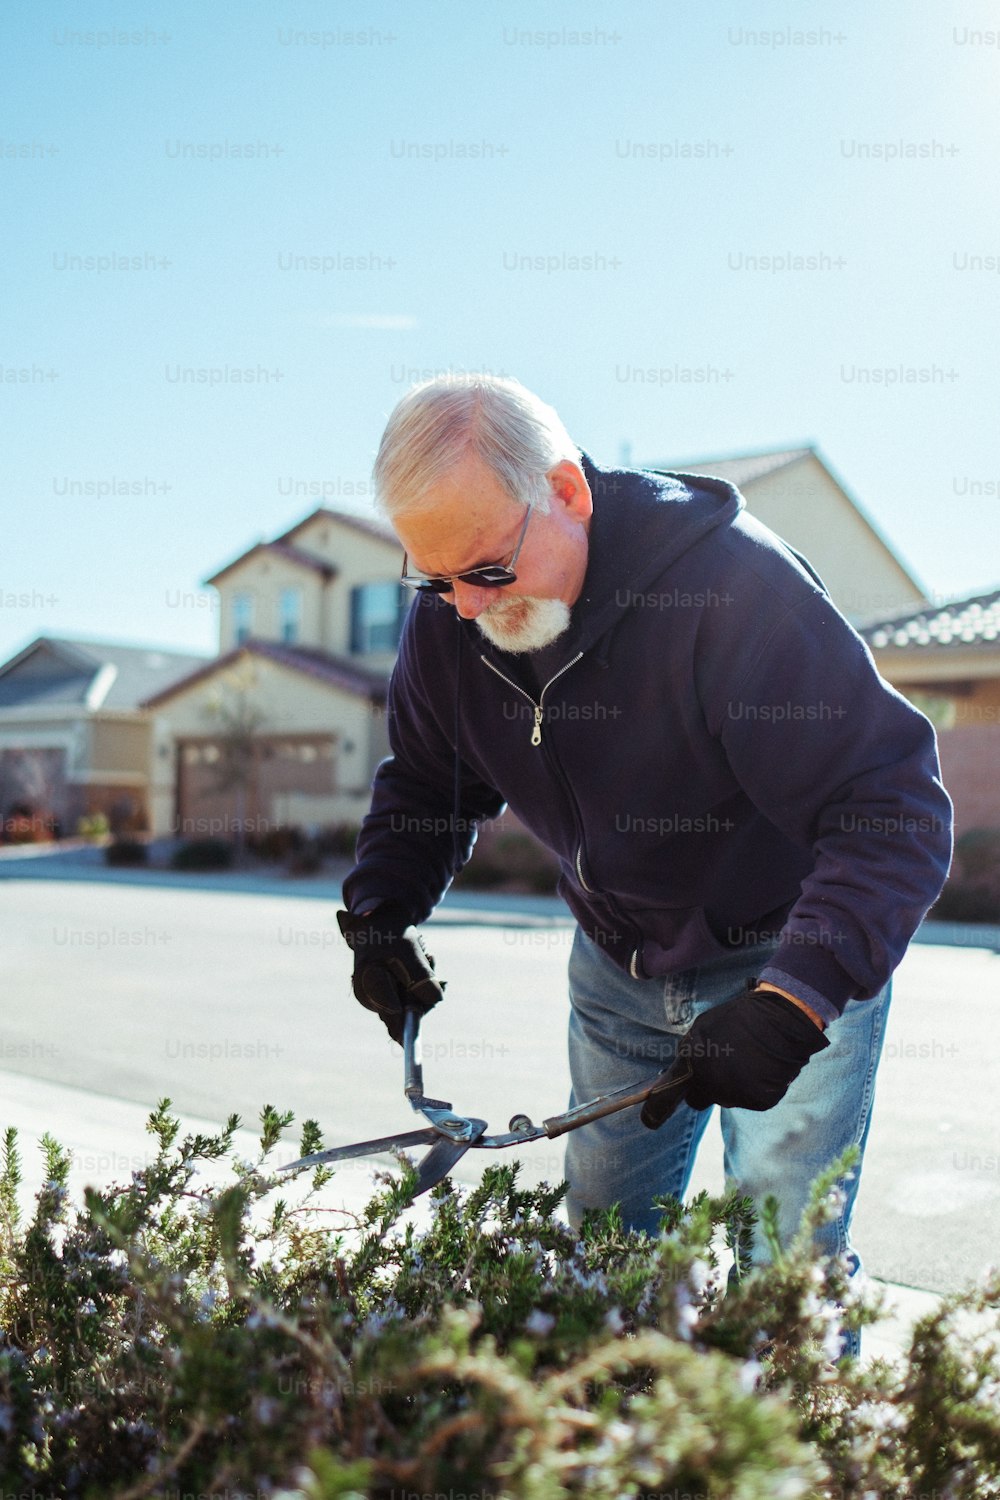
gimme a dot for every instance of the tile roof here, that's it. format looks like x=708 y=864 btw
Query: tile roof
x=131 y=673
x=972 y=621
x=337 y=671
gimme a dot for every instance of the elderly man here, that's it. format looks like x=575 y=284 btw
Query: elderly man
x=749 y=821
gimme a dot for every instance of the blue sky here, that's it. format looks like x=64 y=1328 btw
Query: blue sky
x=577 y=195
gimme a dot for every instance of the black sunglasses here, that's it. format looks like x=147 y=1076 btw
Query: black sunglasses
x=489 y=576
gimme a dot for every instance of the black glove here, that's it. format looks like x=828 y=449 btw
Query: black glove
x=742 y=1054
x=392 y=968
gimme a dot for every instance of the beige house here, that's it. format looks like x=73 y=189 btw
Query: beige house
x=795 y=492
x=73 y=739
x=287 y=725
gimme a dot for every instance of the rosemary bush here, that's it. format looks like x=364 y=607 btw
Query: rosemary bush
x=171 y=1339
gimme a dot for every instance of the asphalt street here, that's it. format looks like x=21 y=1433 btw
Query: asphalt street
x=225 y=1000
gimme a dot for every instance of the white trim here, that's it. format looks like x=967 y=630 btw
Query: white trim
x=101 y=686
x=101 y=778
x=38 y=739
x=69 y=712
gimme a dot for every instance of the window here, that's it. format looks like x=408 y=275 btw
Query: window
x=377 y=614
x=291 y=615
x=242 y=617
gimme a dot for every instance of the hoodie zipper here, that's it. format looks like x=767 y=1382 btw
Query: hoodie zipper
x=536 y=731
x=536 y=739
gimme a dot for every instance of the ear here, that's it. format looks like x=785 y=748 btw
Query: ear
x=571 y=490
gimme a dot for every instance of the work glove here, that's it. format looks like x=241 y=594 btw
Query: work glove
x=742 y=1054
x=392 y=968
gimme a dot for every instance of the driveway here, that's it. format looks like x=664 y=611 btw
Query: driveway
x=228 y=999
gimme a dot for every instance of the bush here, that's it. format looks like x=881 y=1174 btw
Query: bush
x=276 y=843
x=306 y=860
x=93 y=826
x=972 y=891
x=168 y=1338
x=203 y=854
x=512 y=861
x=339 y=840
x=22 y=824
x=126 y=852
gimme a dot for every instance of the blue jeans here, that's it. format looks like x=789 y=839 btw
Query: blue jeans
x=623 y=1029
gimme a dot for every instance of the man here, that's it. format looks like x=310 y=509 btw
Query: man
x=750 y=822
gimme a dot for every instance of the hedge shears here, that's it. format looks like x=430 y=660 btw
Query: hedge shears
x=451 y=1135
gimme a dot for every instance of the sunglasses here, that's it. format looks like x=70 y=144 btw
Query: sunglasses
x=489 y=576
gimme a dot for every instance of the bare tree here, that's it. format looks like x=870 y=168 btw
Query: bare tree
x=236 y=722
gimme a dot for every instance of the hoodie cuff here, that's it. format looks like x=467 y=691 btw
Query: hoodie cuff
x=819 y=1003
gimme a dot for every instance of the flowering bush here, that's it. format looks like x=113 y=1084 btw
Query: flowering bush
x=168 y=1338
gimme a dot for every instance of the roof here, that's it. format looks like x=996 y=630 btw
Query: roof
x=293 y=554
x=971 y=621
x=742 y=469
x=739 y=468
x=335 y=671
x=89 y=675
x=370 y=525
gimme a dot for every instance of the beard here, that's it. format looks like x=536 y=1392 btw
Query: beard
x=521 y=623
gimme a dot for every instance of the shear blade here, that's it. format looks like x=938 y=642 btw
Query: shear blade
x=438 y=1163
x=363 y=1148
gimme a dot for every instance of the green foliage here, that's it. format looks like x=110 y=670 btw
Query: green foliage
x=93 y=826
x=203 y=854
x=171 y=1338
x=126 y=852
x=972 y=891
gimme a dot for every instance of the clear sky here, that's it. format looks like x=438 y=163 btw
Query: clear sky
x=580 y=195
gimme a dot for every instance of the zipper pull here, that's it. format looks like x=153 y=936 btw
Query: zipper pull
x=536 y=733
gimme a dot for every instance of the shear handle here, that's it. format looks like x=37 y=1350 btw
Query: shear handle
x=413 y=1073
x=609 y=1104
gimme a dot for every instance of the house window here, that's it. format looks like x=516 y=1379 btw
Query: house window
x=291 y=615
x=242 y=617
x=377 y=614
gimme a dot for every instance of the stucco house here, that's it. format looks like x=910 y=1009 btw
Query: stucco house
x=73 y=738
x=945 y=657
x=287 y=724
x=799 y=496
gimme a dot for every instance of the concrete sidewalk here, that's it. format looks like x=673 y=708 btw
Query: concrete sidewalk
x=108 y=1141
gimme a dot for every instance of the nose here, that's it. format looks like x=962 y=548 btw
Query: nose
x=470 y=601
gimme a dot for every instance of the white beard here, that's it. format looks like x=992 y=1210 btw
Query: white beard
x=520 y=623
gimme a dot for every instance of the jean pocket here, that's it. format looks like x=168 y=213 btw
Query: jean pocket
x=678 y=1000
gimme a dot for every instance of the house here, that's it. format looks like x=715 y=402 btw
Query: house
x=946 y=659
x=943 y=657
x=796 y=493
x=287 y=724
x=73 y=738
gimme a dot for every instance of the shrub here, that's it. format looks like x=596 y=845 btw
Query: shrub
x=339 y=840
x=306 y=860
x=169 y=1338
x=275 y=843
x=203 y=854
x=514 y=861
x=126 y=852
x=93 y=826
x=972 y=891
x=22 y=824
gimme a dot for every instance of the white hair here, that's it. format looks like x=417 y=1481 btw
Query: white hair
x=436 y=423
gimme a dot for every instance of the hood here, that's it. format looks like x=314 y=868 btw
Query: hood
x=629 y=547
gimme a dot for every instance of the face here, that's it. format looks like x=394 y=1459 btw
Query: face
x=468 y=519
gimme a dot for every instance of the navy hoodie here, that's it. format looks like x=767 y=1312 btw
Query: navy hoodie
x=709 y=751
